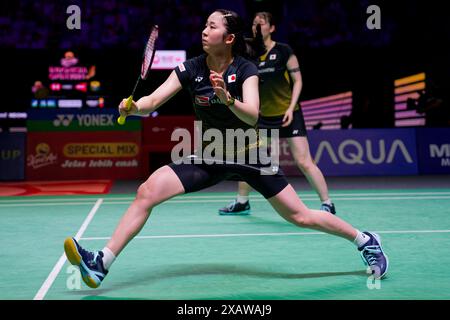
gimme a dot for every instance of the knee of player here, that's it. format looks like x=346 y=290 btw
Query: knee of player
x=146 y=193
x=303 y=219
x=304 y=163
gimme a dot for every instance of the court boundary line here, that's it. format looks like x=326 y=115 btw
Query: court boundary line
x=62 y=260
x=192 y=197
x=225 y=235
x=182 y=200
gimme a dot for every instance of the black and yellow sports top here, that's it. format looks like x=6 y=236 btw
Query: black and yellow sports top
x=275 y=88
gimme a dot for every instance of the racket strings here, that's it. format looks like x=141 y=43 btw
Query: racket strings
x=149 y=52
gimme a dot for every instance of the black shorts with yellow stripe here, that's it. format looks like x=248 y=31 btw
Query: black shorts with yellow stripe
x=297 y=128
x=196 y=174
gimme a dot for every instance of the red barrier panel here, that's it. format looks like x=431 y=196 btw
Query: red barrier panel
x=83 y=155
x=156 y=139
x=156 y=132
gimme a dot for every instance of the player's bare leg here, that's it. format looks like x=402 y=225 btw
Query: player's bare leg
x=291 y=208
x=163 y=184
x=300 y=152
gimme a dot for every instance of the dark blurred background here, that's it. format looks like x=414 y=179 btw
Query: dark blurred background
x=337 y=52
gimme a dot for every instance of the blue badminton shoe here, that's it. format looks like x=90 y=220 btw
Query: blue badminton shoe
x=90 y=263
x=236 y=209
x=373 y=255
x=328 y=208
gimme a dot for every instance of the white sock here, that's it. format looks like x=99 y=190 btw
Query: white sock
x=361 y=239
x=108 y=258
x=242 y=199
x=328 y=201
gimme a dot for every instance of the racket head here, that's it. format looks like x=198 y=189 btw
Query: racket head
x=149 y=52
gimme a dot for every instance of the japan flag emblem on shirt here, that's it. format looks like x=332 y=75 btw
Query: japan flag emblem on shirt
x=232 y=78
x=273 y=56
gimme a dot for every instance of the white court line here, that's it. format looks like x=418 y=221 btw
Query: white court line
x=335 y=199
x=58 y=266
x=59 y=199
x=180 y=200
x=310 y=194
x=184 y=236
x=44 y=204
x=303 y=195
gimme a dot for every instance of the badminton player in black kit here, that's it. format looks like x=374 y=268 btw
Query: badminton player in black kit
x=224 y=91
x=280 y=87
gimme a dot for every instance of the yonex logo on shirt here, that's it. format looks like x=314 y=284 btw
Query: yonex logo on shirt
x=198 y=79
x=266 y=70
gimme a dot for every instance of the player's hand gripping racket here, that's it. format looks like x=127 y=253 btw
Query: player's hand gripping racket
x=147 y=61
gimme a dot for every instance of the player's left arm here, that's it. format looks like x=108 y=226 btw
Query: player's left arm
x=247 y=110
x=293 y=68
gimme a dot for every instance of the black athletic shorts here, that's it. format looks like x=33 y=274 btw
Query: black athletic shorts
x=195 y=177
x=297 y=127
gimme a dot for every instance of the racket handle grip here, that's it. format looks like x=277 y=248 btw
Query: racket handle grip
x=121 y=119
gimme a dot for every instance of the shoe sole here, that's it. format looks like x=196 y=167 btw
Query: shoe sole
x=74 y=257
x=385 y=255
x=240 y=213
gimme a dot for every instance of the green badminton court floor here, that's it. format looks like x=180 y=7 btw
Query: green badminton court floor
x=187 y=251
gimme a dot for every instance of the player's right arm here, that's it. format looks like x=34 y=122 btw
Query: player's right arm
x=150 y=103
